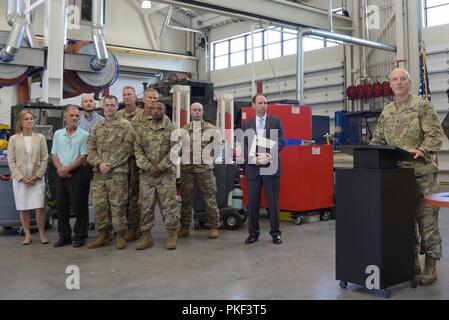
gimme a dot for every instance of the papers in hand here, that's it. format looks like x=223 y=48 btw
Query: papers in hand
x=260 y=158
x=263 y=158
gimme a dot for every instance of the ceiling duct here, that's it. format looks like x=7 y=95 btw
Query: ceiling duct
x=16 y=19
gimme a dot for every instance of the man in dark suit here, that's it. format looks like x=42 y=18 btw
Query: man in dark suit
x=263 y=167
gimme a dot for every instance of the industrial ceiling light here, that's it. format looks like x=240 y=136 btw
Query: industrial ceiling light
x=146 y=4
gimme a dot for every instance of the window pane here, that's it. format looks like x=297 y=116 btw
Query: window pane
x=437 y=16
x=238 y=44
x=221 y=48
x=272 y=36
x=257 y=55
x=290 y=47
x=237 y=58
x=221 y=62
x=313 y=44
x=257 y=40
x=290 y=34
x=431 y=3
x=273 y=51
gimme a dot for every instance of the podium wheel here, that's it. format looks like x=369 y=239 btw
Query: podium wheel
x=343 y=284
x=386 y=293
x=413 y=284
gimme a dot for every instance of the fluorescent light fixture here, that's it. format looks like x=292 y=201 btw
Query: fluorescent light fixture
x=146 y=4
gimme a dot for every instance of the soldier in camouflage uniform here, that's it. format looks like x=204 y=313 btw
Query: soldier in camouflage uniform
x=149 y=96
x=142 y=118
x=200 y=175
x=132 y=208
x=110 y=144
x=411 y=123
x=157 y=176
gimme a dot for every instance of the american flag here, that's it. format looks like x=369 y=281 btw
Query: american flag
x=424 y=89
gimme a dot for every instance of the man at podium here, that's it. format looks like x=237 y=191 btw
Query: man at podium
x=411 y=123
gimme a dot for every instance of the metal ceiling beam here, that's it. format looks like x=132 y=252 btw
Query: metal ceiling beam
x=153 y=60
x=278 y=12
x=208 y=20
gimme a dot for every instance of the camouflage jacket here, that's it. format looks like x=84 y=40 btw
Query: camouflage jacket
x=203 y=166
x=111 y=141
x=141 y=119
x=124 y=114
x=152 y=145
x=414 y=125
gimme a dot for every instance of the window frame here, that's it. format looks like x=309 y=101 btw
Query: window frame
x=426 y=7
x=265 y=43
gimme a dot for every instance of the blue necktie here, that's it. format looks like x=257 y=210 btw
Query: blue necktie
x=260 y=127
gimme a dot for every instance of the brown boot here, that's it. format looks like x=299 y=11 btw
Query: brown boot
x=145 y=241
x=417 y=266
x=132 y=234
x=102 y=240
x=120 y=242
x=214 y=233
x=184 y=232
x=429 y=274
x=170 y=244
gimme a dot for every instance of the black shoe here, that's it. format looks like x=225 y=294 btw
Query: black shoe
x=277 y=239
x=78 y=243
x=251 y=239
x=63 y=242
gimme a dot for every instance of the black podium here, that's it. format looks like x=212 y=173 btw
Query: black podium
x=375 y=209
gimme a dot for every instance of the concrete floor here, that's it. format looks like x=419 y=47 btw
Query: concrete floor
x=303 y=267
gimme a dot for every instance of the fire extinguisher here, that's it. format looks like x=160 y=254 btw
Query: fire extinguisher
x=387 y=89
x=361 y=91
x=351 y=93
x=369 y=90
x=377 y=87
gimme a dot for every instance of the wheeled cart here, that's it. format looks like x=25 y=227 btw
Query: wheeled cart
x=306 y=183
x=229 y=198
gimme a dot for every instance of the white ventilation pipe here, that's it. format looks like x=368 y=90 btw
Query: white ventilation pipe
x=98 y=36
x=17 y=20
x=328 y=35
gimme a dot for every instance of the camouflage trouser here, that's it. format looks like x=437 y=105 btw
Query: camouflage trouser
x=426 y=228
x=132 y=209
x=109 y=196
x=205 y=181
x=163 y=190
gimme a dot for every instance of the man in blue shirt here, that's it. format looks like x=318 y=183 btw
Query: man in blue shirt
x=69 y=152
x=88 y=118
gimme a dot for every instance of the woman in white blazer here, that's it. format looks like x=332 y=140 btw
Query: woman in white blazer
x=27 y=160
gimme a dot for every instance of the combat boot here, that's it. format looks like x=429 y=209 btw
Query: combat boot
x=184 y=232
x=120 y=242
x=102 y=240
x=214 y=233
x=132 y=234
x=170 y=244
x=145 y=241
x=429 y=274
x=417 y=266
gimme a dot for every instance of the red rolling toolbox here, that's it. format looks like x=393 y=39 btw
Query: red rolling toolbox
x=307 y=171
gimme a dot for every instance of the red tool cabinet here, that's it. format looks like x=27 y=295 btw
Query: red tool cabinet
x=307 y=170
